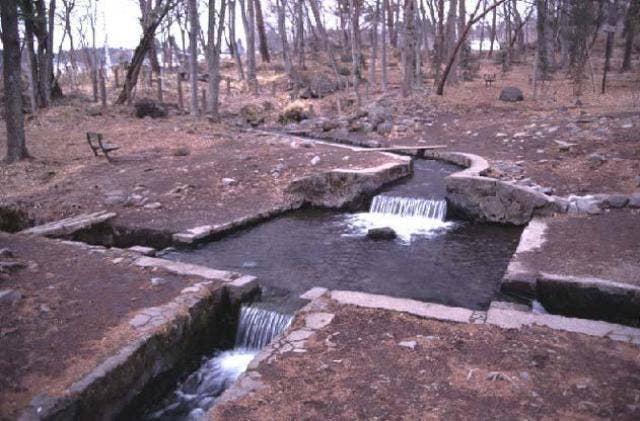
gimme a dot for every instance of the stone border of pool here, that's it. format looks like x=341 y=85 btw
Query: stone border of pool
x=521 y=280
x=164 y=335
x=501 y=314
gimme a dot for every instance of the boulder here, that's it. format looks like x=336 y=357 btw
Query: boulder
x=318 y=86
x=511 y=94
x=378 y=115
x=384 y=233
x=294 y=113
x=150 y=108
x=252 y=114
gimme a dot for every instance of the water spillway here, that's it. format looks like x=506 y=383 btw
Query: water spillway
x=256 y=328
x=407 y=216
x=410 y=207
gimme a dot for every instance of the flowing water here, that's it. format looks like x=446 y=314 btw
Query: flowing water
x=256 y=328
x=433 y=259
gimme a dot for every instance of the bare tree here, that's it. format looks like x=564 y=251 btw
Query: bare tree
x=16 y=145
x=148 y=35
x=632 y=21
x=610 y=29
x=475 y=17
x=409 y=44
x=354 y=7
x=193 y=54
x=248 y=21
x=214 y=46
x=262 y=34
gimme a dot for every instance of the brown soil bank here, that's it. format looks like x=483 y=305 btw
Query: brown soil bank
x=67 y=311
x=371 y=364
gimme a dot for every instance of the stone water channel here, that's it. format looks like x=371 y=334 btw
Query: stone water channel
x=434 y=258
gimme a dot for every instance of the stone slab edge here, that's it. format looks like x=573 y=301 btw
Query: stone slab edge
x=523 y=280
x=164 y=325
x=180 y=268
x=70 y=226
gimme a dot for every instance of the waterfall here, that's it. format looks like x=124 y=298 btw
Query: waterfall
x=256 y=328
x=409 y=207
x=407 y=216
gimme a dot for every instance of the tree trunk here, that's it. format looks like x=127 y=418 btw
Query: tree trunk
x=493 y=31
x=248 y=21
x=133 y=71
x=409 y=44
x=543 y=50
x=213 y=59
x=385 y=76
x=473 y=19
x=282 y=29
x=374 y=44
x=631 y=24
x=262 y=34
x=354 y=7
x=193 y=55
x=16 y=146
x=232 y=39
x=450 y=34
x=610 y=29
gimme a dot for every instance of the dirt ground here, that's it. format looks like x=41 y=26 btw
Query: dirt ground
x=69 y=314
x=356 y=368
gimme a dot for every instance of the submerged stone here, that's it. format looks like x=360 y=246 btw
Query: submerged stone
x=384 y=233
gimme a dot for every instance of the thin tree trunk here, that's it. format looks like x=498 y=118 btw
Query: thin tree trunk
x=409 y=52
x=215 y=46
x=385 y=76
x=354 y=8
x=542 y=61
x=286 y=57
x=16 y=146
x=248 y=20
x=493 y=31
x=473 y=19
x=133 y=71
x=631 y=23
x=612 y=19
x=232 y=39
x=262 y=34
x=374 y=44
x=193 y=55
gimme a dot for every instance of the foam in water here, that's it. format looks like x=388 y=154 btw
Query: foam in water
x=407 y=216
x=256 y=328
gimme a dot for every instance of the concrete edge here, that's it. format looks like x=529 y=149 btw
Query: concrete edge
x=180 y=268
x=69 y=226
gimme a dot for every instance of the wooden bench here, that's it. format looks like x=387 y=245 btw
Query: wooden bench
x=96 y=144
x=489 y=79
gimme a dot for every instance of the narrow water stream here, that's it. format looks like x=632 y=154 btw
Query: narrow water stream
x=256 y=328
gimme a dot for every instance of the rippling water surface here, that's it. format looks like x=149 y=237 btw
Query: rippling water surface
x=450 y=262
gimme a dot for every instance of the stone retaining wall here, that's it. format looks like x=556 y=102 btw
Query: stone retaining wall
x=170 y=338
x=473 y=196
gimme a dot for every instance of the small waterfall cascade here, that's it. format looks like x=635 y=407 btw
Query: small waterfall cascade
x=407 y=216
x=256 y=328
x=409 y=207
